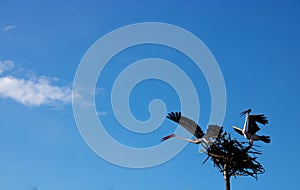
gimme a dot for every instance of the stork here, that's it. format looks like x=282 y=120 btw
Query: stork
x=191 y=126
x=251 y=127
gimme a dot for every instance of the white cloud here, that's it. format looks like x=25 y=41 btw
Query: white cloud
x=34 y=92
x=6 y=65
x=9 y=27
x=79 y=100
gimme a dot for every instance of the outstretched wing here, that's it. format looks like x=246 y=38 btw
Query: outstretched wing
x=252 y=122
x=238 y=130
x=187 y=123
x=213 y=131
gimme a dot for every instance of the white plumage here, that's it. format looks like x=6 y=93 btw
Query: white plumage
x=251 y=127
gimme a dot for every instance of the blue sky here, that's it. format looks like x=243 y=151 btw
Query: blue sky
x=256 y=45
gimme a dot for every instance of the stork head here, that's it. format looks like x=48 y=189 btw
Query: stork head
x=245 y=112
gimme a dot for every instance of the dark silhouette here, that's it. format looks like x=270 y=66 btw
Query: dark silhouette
x=230 y=156
x=251 y=128
x=234 y=158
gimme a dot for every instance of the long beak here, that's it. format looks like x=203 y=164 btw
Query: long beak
x=245 y=112
x=167 y=137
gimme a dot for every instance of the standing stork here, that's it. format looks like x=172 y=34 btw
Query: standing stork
x=251 y=127
x=191 y=126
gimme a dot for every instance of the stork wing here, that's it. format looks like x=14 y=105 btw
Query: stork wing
x=238 y=130
x=212 y=131
x=252 y=125
x=187 y=123
x=260 y=118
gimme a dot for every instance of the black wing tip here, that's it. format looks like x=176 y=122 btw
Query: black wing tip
x=174 y=116
x=262 y=119
x=266 y=139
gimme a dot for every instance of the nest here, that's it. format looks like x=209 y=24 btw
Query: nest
x=237 y=158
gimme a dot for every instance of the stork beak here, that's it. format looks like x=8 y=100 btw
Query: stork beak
x=167 y=137
x=245 y=112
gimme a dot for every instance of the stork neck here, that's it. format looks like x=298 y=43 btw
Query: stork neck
x=246 y=123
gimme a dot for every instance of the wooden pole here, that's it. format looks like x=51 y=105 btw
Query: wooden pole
x=226 y=177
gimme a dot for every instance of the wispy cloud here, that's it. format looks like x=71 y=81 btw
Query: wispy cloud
x=9 y=27
x=36 y=91
x=6 y=65
x=82 y=98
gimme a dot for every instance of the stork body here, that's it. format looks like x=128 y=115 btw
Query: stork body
x=251 y=127
x=200 y=137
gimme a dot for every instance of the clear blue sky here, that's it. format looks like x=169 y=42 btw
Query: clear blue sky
x=256 y=45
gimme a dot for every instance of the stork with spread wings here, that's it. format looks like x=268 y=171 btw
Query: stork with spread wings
x=251 y=128
x=191 y=126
